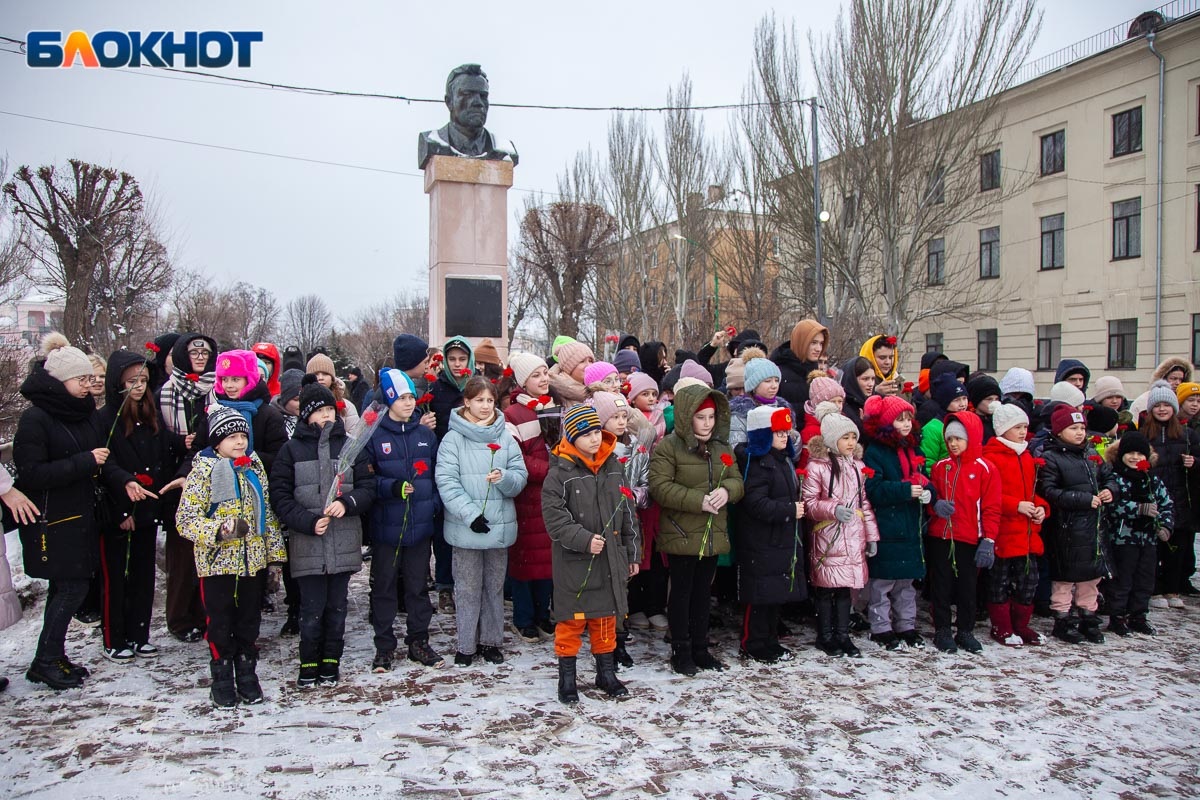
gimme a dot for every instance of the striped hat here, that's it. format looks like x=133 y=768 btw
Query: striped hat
x=579 y=420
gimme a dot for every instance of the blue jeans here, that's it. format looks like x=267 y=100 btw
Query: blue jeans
x=531 y=601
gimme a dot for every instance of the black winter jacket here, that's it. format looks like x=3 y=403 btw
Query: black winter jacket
x=1182 y=484
x=770 y=553
x=793 y=383
x=1076 y=535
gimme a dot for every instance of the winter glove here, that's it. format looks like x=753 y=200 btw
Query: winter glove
x=1148 y=509
x=944 y=509
x=926 y=497
x=872 y=549
x=398 y=488
x=480 y=525
x=843 y=513
x=985 y=556
x=274 y=575
x=233 y=529
x=1163 y=534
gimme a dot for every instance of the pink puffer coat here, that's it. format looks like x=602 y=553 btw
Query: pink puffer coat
x=837 y=550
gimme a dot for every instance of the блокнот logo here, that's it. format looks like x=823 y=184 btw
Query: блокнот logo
x=210 y=49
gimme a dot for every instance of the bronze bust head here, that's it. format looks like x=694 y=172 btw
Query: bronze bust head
x=465 y=136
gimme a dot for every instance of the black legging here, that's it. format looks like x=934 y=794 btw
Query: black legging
x=62 y=601
x=688 y=598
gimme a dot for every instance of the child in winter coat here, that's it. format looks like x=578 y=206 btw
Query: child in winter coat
x=534 y=420
x=898 y=490
x=600 y=376
x=762 y=389
x=590 y=515
x=1076 y=482
x=648 y=589
x=322 y=368
x=143 y=458
x=1140 y=520
x=962 y=533
x=1014 y=575
x=403 y=454
x=770 y=553
x=239 y=386
x=844 y=531
x=950 y=396
x=226 y=513
x=324 y=540
x=693 y=477
x=480 y=471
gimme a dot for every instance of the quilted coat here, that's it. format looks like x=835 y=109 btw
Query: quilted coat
x=837 y=553
x=464 y=461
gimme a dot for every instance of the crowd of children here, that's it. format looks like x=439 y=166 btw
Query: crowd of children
x=605 y=498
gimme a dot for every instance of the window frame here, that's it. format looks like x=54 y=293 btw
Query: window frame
x=1122 y=228
x=987 y=349
x=1058 y=153
x=1060 y=234
x=1122 y=338
x=992 y=172
x=1129 y=148
x=992 y=248
x=1196 y=340
x=940 y=253
x=1049 y=336
x=935 y=343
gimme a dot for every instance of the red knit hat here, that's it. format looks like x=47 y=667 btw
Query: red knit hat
x=883 y=410
x=708 y=403
x=1064 y=417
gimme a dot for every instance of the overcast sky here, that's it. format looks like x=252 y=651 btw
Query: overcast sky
x=356 y=236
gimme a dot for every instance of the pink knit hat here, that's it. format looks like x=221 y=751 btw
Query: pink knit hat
x=572 y=354
x=822 y=389
x=239 y=364
x=596 y=372
x=690 y=369
x=607 y=404
x=638 y=383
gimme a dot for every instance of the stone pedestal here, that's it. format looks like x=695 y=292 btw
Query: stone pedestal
x=468 y=249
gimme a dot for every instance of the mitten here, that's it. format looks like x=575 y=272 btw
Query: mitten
x=985 y=556
x=398 y=489
x=944 y=509
x=926 y=497
x=233 y=529
x=1163 y=534
x=1148 y=509
x=480 y=525
x=843 y=513
x=872 y=549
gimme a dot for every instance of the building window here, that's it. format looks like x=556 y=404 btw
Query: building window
x=985 y=349
x=1122 y=344
x=936 y=261
x=35 y=320
x=1053 y=242
x=1196 y=339
x=934 y=343
x=849 y=207
x=937 y=186
x=1127 y=132
x=989 y=253
x=989 y=171
x=1049 y=346
x=1127 y=229
x=1054 y=152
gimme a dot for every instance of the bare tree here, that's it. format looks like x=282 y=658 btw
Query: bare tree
x=76 y=222
x=367 y=340
x=237 y=314
x=523 y=295
x=307 y=322
x=15 y=261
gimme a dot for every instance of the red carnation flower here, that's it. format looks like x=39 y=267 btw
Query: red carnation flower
x=544 y=399
x=1087 y=407
x=868 y=472
x=493 y=380
x=623 y=459
x=429 y=376
x=420 y=467
x=425 y=398
x=1096 y=439
x=727 y=459
x=890 y=341
x=341 y=405
x=642 y=448
x=801 y=473
x=464 y=372
x=1095 y=459
x=493 y=447
x=532 y=405
x=1038 y=463
x=908 y=387
x=369 y=417
x=610 y=338
x=242 y=461
x=1143 y=466
x=625 y=490
x=152 y=347
x=507 y=372
x=193 y=377
x=732 y=331
x=144 y=479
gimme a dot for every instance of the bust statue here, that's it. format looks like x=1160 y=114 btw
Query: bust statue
x=465 y=136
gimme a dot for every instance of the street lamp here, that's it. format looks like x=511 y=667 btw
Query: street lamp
x=716 y=279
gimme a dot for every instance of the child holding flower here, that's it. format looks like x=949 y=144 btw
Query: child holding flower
x=403 y=453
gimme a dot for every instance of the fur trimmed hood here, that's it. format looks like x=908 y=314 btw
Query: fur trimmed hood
x=819 y=451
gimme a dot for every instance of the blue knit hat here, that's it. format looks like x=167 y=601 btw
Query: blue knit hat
x=626 y=361
x=579 y=420
x=393 y=383
x=758 y=370
x=946 y=389
x=408 y=351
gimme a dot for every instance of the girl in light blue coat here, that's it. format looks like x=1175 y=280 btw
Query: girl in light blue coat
x=480 y=470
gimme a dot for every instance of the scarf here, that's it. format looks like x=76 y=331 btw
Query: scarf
x=178 y=399
x=226 y=484
x=248 y=409
x=1016 y=447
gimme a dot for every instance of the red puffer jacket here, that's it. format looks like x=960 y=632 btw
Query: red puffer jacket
x=1018 y=535
x=529 y=557
x=970 y=482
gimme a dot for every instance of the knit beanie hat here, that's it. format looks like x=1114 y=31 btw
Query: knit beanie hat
x=954 y=430
x=690 y=369
x=571 y=355
x=735 y=374
x=1133 y=442
x=578 y=420
x=1069 y=393
x=638 y=383
x=834 y=426
x=1186 y=390
x=314 y=397
x=289 y=385
x=1007 y=416
x=1161 y=392
x=607 y=404
x=486 y=353
x=322 y=363
x=523 y=365
x=239 y=364
x=946 y=389
x=394 y=384
x=626 y=361
x=885 y=409
x=408 y=351
x=1101 y=419
x=224 y=421
x=63 y=361
x=825 y=409
x=982 y=387
x=758 y=368
x=597 y=371
x=1017 y=380
x=1108 y=386
x=1065 y=416
x=822 y=388
x=558 y=342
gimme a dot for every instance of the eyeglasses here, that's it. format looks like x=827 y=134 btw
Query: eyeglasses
x=198 y=352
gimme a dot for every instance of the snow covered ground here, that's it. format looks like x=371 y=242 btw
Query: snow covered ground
x=1114 y=720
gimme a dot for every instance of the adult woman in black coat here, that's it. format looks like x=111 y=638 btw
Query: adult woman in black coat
x=58 y=451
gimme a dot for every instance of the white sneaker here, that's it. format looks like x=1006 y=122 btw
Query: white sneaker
x=659 y=622
x=1158 y=601
x=1175 y=601
x=122 y=655
x=638 y=622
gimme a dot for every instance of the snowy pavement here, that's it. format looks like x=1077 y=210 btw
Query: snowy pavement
x=1113 y=720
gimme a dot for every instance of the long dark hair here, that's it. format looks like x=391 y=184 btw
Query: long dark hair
x=1152 y=428
x=144 y=411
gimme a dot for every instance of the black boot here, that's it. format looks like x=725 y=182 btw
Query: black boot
x=681 y=658
x=826 y=640
x=706 y=660
x=1138 y=624
x=1119 y=624
x=567 y=691
x=621 y=654
x=248 y=689
x=1066 y=628
x=842 y=625
x=291 y=627
x=329 y=673
x=1089 y=627
x=54 y=672
x=606 y=676
x=222 y=691
x=310 y=662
